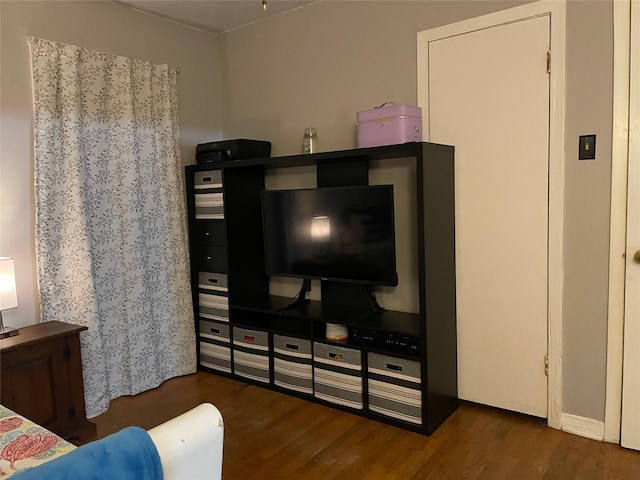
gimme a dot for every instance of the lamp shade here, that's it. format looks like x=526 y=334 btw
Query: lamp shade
x=8 y=296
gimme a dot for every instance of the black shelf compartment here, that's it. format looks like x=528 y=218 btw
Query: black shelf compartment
x=389 y=321
x=307 y=320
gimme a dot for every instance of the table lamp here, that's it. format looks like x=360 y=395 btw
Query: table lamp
x=8 y=296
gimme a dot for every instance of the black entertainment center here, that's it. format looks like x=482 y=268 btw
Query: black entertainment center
x=396 y=367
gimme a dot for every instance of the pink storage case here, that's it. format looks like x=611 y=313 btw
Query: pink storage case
x=388 y=125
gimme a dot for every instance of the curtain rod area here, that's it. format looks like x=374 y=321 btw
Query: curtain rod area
x=32 y=39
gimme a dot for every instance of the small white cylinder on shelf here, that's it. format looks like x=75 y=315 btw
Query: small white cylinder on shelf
x=336 y=332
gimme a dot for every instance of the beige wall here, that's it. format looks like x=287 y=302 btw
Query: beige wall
x=319 y=65
x=107 y=27
x=589 y=109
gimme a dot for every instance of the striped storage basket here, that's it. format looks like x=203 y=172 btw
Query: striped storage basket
x=292 y=364
x=215 y=346
x=337 y=375
x=213 y=307
x=209 y=200
x=251 y=354
x=213 y=302
x=394 y=387
x=212 y=282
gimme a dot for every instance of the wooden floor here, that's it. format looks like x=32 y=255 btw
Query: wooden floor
x=273 y=436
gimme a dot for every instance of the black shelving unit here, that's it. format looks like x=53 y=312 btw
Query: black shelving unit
x=418 y=361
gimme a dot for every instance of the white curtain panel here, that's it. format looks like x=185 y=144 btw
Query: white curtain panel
x=110 y=230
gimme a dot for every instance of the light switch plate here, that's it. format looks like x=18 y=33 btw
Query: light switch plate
x=587 y=147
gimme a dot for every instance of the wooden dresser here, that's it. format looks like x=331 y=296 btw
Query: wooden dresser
x=41 y=377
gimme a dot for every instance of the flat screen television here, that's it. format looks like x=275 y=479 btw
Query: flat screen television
x=335 y=233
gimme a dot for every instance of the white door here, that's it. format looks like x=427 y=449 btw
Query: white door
x=489 y=97
x=630 y=433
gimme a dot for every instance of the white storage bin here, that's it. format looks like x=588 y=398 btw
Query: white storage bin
x=251 y=354
x=215 y=346
x=394 y=387
x=209 y=201
x=337 y=375
x=292 y=364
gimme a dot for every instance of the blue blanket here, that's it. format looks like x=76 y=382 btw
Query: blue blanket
x=127 y=455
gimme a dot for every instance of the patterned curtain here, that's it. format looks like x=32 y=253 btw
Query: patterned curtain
x=111 y=241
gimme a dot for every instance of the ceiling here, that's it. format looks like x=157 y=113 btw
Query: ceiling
x=214 y=16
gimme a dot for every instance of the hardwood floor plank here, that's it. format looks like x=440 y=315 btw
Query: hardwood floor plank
x=274 y=436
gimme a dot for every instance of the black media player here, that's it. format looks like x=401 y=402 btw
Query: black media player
x=384 y=340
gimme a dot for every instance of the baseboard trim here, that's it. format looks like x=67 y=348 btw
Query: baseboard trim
x=585 y=427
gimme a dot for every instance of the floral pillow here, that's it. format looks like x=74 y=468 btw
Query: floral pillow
x=24 y=444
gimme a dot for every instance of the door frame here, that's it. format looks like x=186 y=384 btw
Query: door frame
x=556 y=11
x=623 y=138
